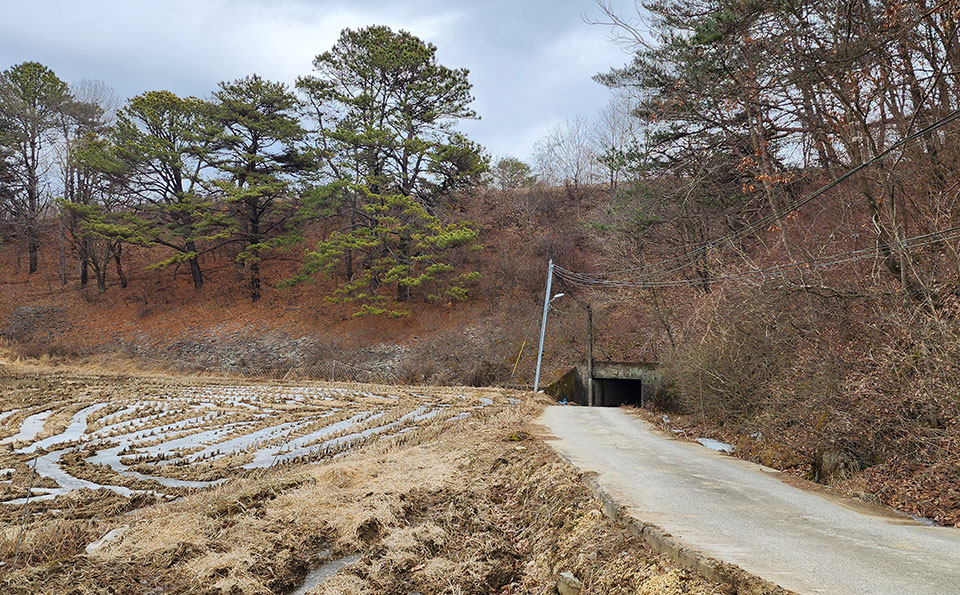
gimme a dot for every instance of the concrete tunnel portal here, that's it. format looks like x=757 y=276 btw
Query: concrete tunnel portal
x=614 y=384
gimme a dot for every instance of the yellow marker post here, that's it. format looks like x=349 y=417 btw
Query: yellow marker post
x=522 y=345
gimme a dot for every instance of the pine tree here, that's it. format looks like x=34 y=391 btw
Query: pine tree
x=385 y=113
x=258 y=156
x=164 y=143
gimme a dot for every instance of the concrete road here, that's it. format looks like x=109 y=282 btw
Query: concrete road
x=747 y=515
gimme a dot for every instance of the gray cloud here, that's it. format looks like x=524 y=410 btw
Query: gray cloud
x=530 y=61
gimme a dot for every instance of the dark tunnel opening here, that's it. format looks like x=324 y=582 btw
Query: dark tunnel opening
x=613 y=392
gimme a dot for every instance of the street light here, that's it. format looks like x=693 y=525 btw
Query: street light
x=547 y=300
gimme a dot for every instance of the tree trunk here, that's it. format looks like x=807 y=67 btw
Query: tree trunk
x=195 y=273
x=254 y=281
x=62 y=251
x=33 y=243
x=33 y=201
x=348 y=255
x=195 y=266
x=254 y=266
x=117 y=251
x=84 y=257
x=893 y=258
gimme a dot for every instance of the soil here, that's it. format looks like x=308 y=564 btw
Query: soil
x=475 y=507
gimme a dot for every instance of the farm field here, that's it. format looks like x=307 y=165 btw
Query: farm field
x=159 y=439
x=205 y=485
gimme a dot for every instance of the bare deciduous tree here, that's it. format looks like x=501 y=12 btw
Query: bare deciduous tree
x=567 y=155
x=31 y=100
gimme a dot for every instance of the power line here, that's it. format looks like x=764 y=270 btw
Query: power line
x=813 y=263
x=682 y=261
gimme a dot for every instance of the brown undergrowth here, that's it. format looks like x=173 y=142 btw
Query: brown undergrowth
x=853 y=392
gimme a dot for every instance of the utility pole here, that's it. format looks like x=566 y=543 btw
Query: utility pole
x=585 y=306
x=543 y=325
x=589 y=354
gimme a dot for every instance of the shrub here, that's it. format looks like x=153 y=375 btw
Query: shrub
x=744 y=344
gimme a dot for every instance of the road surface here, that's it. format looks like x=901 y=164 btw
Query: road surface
x=745 y=514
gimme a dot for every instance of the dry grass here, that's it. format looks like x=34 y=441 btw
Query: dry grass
x=468 y=509
x=58 y=529
x=858 y=392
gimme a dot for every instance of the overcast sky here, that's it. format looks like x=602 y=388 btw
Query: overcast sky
x=530 y=61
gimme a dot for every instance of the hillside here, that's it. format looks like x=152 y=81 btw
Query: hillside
x=270 y=315
x=161 y=320
x=804 y=373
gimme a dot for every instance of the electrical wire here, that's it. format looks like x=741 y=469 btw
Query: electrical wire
x=684 y=260
x=833 y=260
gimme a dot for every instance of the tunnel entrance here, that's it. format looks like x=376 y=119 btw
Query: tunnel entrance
x=613 y=392
x=614 y=384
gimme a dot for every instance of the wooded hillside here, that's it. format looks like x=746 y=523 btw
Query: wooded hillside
x=768 y=207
